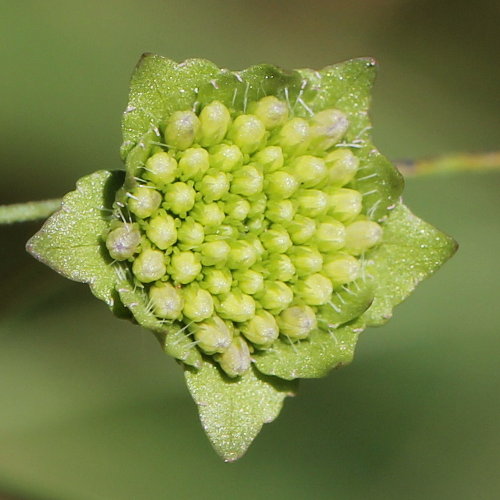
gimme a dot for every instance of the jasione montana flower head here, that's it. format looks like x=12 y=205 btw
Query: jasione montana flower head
x=256 y=230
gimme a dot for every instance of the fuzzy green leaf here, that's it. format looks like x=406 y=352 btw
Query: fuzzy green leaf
x=70 y=241
x=232 y=411
x=412 y=250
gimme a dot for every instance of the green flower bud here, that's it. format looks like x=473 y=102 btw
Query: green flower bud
x=249 y=281
x=344 y=204
x=149 y=266
x=294 y=137
x=247 y=132
x=184 y=267
x=212 y=335
x=271 y=111
x=181 y=130
x=236 y=306
x=207 y=214
x=256 y=243
x=247 y=180
x=161 y=231
x=214 y=122
x=342 y=166
x=224 y=231
x=280 y=185
x=307 y=260
x=258 y=205
x=190 y=234
x=361 y=236
x=269 y=158
x=341 y=269
x=235 y=360
x=167 y=300
x=198 y=303
x=280 y=211
x=217 y=281
x=280 y=267
x=276 y=239
x=193 y=164
x=214 y=253
x=179 y=198
x=161 y=169
x=309 y=170
x=297 y=322
x=213 y=186
x=236 y=208
x=226 y=157
x=242 y=255
x=301 y=229
x=330 y=235
x=262 y=330
x=257 y=224
x=311 y=202
x=144 y=201
x=276 y=296
x=327 y=128
x=123 y=241
x=315 y=290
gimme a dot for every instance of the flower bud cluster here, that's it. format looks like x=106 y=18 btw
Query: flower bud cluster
x=243 y=224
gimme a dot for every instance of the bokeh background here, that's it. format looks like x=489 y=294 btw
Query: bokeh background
x=90 y=409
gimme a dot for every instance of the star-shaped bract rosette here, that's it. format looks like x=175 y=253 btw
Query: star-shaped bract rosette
x=257 y=232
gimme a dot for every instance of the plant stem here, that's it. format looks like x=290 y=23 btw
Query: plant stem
x=32 y=210
x=459 y=162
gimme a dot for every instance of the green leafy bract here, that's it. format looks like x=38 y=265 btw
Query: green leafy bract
x=70 y=241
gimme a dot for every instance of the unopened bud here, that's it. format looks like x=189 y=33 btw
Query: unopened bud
x=280 y=211
x=307 y=260
x=309 y=170
x=280 y=267
x=311 y=202
x=344 y=204
x=327 y=128
x=247 y=181
x=330 y=235
x=149 y=266
x=213 y=186
x=297 y=322
x=207 y=214
x=167 y=300
x=144 y=201
x=123 y=241
x=271 y=111
x=249 y=281
x=217 y=281
x=179 y=198
x=236 y=208
x=294 y=137
x=184 y=267
x=181 y=130
x=315 y=290
x=301 y=229
x=226 y=157
x=235 y=360
x=193 y=164
x=161 y=169
x=161 y=231
x=214 y=122
x=361 y=236
x=214 y=253
x=341 y=269
x=247 y=132
x=276 y=296
x=190 y=234
x=242 y=255
x=198 y=303
x=280 y=185
x=236 y=306
x=212 y=335
x=261 y=330
x=269 y=158
x=342 y=166
x=276 y=239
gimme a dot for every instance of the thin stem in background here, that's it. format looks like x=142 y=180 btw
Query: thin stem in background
x=32 y=210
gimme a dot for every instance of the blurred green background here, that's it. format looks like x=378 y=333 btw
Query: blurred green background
x=90 y=409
